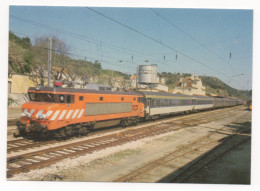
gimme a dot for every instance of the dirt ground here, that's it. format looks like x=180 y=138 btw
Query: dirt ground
x=112 y=163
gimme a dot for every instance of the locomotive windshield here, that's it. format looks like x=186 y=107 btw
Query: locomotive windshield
x=51 y=98
x=41 y=97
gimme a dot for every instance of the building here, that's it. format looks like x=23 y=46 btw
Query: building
x=18 y=84
x=190 y=85
x=133 y=81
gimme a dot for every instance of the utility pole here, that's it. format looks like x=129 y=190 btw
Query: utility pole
x=49 y=60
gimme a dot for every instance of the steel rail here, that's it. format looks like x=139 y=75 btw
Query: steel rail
x=187 y=149
x=49 y=156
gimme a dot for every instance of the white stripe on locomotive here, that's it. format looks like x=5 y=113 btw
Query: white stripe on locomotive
x=69 y=114
x=75 y=113
x=49 y=113
x=55 y=115
x=31 y=112
x=39 y=113
x=62 y=114
x=81 y=112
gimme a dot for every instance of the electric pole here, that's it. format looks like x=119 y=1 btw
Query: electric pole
x=49 y=60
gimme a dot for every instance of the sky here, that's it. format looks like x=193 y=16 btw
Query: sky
x=212 y=42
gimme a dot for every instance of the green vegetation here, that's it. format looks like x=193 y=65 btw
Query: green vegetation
x=20 y=54
x=213 y=85
x=11 y=101
x=25 y=58
x=29 y=59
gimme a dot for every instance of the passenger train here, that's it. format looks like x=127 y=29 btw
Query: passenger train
x=63 y=112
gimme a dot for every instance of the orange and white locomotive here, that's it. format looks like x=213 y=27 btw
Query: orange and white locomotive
x=63 y=112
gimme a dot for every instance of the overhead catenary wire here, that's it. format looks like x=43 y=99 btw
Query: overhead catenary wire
x=187 y=34
x=82 y=56
x=74 y=35
x=157 y=41
x=97 y=42
x=166 y=62
x=66 y=52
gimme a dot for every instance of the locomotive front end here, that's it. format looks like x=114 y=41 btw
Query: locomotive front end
x=34 y=119
x=37 y=115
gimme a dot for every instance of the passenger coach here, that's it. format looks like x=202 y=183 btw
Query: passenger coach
x=163 y=103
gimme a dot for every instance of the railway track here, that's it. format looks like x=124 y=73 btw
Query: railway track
x=45 y=157
x=207 y=148
x=22 y=144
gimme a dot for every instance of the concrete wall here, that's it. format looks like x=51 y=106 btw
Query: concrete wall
x=18 y=85
x=19 y=99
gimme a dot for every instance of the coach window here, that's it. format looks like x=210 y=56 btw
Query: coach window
x=153 y=103
x=101 y=98
x=134 y=99
x=161 y=103
x=122 y=98
x=81 y=98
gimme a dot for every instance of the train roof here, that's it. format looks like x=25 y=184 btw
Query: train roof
x=150 y=94
x=73 y=90
x=162 y=94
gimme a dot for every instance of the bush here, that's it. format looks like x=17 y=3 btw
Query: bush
x=11 y=101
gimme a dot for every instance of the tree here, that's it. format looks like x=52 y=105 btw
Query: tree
x=19 y=57
x=40 y=62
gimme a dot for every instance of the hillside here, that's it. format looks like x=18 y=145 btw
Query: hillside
x=31 y=59
x=26 y=58
x=213 y=85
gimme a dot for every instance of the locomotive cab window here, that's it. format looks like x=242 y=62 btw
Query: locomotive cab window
x=101 y=98
x=41 y=97
x=70 y=98
x=122 y=98
x=81 y=98
x=64 y=98
x=61 y=98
